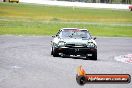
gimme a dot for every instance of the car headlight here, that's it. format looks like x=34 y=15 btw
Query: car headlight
x=54 y=44
x=61 y=43
x=91 y=44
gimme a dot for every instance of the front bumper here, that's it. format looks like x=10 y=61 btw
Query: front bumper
x=77 y=50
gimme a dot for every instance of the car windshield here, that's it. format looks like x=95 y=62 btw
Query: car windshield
x=75 y=34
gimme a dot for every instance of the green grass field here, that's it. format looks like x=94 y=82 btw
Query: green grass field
x=33 y=19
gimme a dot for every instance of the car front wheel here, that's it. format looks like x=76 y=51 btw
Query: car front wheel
x=54 y=52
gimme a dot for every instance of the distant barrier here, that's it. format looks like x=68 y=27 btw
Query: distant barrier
x=130 y=7
x=17 y=1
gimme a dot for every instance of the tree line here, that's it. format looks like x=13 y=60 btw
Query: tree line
x=102 y=1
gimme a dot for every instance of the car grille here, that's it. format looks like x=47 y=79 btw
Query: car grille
x=75 y=45
x=70 y=45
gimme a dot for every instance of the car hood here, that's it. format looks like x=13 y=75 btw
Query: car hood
x=77 y=40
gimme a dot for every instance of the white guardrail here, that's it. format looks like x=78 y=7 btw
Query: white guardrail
x=78 y=4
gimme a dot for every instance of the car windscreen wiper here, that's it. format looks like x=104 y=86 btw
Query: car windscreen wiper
x=84 y=37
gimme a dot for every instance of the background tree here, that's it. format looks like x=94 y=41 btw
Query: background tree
x=93 y=1
x=126 y=1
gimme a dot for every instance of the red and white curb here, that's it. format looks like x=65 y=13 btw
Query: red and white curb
x=124 y=58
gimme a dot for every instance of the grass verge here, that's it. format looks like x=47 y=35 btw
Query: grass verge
x=51 y=28
x=31 y=19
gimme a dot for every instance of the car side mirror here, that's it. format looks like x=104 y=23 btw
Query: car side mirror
x=94 y=38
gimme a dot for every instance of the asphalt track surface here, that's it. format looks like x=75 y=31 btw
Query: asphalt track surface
x=25 y=62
